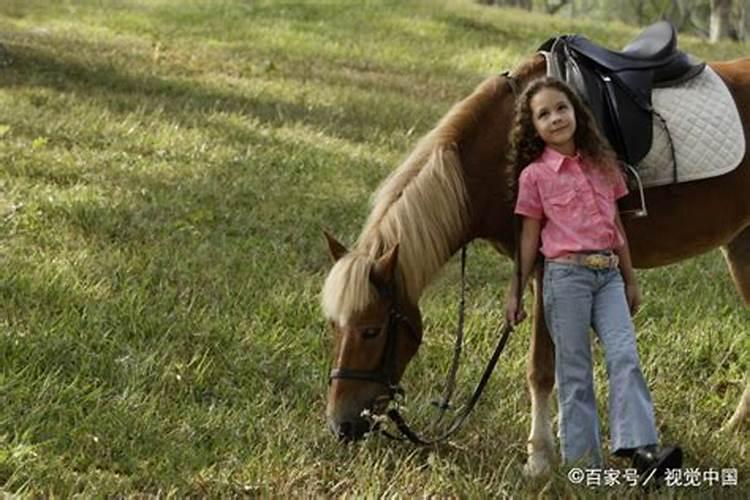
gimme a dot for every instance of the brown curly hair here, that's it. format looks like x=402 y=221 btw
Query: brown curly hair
x=526 y=145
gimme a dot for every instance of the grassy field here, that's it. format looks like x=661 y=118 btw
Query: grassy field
x=167 y=167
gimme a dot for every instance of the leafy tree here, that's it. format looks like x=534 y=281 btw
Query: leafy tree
x=713 y=19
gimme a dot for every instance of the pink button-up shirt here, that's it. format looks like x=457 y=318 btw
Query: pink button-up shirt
x=575 y=201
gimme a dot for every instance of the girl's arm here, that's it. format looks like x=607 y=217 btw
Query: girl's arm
x=632 y=293
x=529 y=246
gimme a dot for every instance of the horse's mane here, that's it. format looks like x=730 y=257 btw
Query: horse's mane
x=422 y=205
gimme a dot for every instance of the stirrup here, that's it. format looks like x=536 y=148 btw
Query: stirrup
x=638 y=212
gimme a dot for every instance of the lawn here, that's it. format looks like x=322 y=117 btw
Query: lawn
x=167 y=169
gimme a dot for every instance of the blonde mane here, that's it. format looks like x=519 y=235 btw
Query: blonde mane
x=423 y=206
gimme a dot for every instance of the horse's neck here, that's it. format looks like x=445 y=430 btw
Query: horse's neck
x=425 y=205
x=483 y=150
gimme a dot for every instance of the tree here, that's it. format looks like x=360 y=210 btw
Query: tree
x=523 y=4
x=743 y=27
x=720 y=12
x=713 y=19
x=552 y=8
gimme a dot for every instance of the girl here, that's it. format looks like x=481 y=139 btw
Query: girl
x=567 y=191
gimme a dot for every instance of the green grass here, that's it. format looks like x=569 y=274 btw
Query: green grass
x=167 y=168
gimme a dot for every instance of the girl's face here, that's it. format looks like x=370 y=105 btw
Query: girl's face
x=554 y=119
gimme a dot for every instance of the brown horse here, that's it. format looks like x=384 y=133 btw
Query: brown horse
x=453 y=189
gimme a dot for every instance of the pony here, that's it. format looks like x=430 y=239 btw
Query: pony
x=451 y=189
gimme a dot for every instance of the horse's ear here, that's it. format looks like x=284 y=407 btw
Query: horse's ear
x=383 y=271
x=336 y=249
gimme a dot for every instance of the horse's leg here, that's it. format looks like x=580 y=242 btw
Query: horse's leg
x=737 y=254
x=540 y=375
x=742 y=413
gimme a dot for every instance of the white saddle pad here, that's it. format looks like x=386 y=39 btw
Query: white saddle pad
x=705 y=127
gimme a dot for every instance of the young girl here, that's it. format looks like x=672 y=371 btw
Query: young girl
x=567 y=191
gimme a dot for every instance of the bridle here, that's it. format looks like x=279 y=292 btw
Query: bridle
x=386 y=372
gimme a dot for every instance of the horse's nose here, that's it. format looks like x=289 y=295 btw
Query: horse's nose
x=351 y=430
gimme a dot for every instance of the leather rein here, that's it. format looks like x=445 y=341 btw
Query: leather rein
x=385 y=373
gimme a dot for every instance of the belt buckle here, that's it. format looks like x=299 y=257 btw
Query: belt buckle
x=597 y=261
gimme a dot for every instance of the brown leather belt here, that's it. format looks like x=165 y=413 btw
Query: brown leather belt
x=597 y=260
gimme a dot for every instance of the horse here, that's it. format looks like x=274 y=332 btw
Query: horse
x=452 y=189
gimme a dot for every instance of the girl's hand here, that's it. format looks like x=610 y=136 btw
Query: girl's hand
x=514 y=312
x=633 y=296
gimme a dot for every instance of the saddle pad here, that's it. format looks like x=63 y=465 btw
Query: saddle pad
x=705 y=127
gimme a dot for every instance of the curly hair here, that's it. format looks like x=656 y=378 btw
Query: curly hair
x=526 y=145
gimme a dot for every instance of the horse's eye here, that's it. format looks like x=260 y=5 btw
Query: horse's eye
x=370 y=333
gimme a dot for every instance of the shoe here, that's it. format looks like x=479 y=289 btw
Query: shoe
x=652 y=462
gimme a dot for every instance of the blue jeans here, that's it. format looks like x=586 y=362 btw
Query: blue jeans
x=575 y=299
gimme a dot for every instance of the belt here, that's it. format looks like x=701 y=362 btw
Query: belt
x=596 y=260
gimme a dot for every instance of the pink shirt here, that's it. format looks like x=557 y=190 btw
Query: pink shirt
x=576 y=203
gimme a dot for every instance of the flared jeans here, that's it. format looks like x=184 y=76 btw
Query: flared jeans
x=576 y=299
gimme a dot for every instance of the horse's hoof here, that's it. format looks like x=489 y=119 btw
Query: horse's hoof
x=537 y=466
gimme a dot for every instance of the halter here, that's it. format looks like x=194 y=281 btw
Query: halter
x=385 y=373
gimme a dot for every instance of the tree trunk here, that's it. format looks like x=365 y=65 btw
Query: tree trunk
x=638 y=8
x=553 y=8
x=720 y=11
x=675 y=15
x=743 y=28
x=521 y=4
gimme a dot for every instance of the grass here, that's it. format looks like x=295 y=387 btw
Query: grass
x=167 y=169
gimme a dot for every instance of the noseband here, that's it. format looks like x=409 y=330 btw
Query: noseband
x=385 y=373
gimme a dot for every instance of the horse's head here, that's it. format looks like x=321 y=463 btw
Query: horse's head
x=376 y=333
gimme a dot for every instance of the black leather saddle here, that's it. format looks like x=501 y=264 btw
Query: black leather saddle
x=617 y=86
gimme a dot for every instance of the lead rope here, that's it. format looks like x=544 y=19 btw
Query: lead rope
x=450 y=384
x=397 y=419
x=505 y=332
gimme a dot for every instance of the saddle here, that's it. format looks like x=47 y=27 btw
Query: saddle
x=617 y=86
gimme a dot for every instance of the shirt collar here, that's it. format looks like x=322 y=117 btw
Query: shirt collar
x=555 y=159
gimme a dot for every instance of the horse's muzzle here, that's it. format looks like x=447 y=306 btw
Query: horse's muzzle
x=350 y=430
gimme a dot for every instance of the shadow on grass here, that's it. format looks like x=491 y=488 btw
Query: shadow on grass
x=111 y=86
x=163 y=239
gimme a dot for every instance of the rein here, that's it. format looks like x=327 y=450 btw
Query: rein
x=396 y=417
x=504 y=333
x=385 y=374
